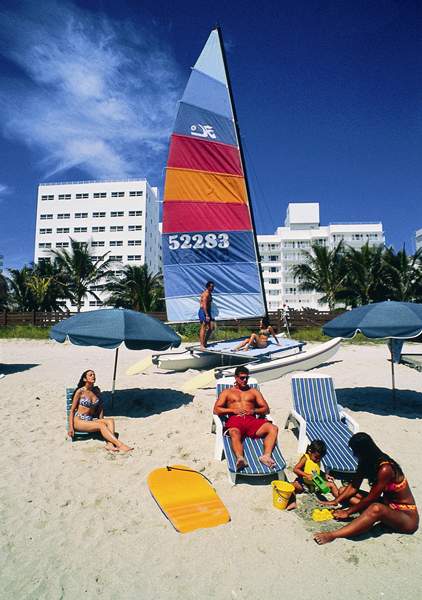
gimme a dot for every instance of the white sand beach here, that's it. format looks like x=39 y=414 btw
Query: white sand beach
x=77 y=521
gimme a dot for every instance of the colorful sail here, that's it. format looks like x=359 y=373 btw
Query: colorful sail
x=207 y=227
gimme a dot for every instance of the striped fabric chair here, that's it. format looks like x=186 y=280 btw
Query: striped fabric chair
x=253 y=448
x=79 y=435
x=318 y=416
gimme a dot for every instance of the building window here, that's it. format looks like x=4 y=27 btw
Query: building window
x=136 y=193
x=99 y=244
x=116 y=243
x=98 y=215
x=116 y=257
x=274 y=281
x=44 y=245
x=133 y=257
x=62 y=230
x=65 y=196
x=135 y=213
x=42 y=231
x=80 y=229
x=98 y=229
x=134 y=228
x=116 y=228
x=100 y=194
x=48 y=197
x=117 y=194
x=81 y=215
x=134 y=243
x=272 y=258
x=62 y=244
x=63 y=216
x=274 y=269
x=82 y=196
x=45 y=217
x=95 y=303
x=117 y=213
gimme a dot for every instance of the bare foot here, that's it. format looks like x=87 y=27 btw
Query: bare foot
x=324 y=537
x=124 y=448
x=110 y=448
x=241 y=463
x=267 y=461
x=292 y=505
x=202 y=347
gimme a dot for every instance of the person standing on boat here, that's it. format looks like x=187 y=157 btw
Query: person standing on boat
x=204 y=314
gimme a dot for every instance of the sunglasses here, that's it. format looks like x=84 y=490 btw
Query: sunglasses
x=243 y=377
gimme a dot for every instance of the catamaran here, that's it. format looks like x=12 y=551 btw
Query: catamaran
x=209 y=232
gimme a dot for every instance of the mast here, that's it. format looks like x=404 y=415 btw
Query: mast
x=236 y=124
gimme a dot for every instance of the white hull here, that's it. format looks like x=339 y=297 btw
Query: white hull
x=262 y=371
x=303 y=361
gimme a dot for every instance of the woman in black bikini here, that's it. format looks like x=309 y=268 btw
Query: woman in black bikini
x=87 y=413
x=260 y=339
x=389 y=500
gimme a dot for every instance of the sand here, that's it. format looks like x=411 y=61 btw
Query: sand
x=76 y=521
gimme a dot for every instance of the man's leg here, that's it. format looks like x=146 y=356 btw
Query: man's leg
x=208 y=331
x=202 y=341
x=236 y=440
x=268 y=432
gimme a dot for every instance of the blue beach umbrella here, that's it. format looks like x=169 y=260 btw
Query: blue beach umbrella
x=109 y=328
x=395 y=321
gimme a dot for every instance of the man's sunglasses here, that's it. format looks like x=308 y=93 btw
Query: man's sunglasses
x=243 y=377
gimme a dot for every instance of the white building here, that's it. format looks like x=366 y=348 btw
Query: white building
x=119 y=217
x=418 y=237
x=283 y=250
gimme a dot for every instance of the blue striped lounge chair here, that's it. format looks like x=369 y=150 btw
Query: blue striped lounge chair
x=253 y=448
x=318 y=416
x=79 y=435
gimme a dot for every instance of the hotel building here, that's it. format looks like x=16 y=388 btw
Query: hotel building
x=418 y=239
x=283 y=250
x=119 y=217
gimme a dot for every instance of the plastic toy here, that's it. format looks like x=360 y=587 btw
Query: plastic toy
x=320 y=483
x=322 y=514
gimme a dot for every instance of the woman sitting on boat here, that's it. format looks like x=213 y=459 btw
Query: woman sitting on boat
x=389 y=501
x=260 y=339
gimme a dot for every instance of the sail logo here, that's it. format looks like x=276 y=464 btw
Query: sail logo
x=203 y=131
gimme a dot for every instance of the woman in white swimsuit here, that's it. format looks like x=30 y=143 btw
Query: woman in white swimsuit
x=260 y=339
x=87 y=413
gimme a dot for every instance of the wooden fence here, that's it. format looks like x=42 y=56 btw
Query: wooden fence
x=295 y=319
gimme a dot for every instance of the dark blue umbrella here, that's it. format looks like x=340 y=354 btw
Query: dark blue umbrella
x=109 y=328
x=392 y=320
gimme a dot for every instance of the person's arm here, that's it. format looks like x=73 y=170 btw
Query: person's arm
x=101 y=407
x=262 y=407
x=220 y=407
x=204 y=303
x=298 y=468
x=72 y=411
x=384 y=477
x=348 y=492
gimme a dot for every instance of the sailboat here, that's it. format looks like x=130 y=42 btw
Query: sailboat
x=208 y=228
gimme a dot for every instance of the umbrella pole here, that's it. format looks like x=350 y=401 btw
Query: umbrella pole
x=114 y=376
x=393 y=381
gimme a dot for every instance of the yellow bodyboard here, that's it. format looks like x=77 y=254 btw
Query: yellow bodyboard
x=186 y=498
x=140 y=367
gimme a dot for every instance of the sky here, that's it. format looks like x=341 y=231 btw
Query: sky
x=328 y=96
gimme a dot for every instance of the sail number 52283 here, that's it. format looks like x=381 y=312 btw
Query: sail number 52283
x=197 y=241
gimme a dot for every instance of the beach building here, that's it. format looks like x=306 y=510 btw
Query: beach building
x=119 y=217
x=283 y=250
x=418 y=237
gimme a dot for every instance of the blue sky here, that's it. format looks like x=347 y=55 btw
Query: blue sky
x=328 y=95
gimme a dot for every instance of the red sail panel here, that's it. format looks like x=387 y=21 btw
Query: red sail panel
x=182 y=217
x=200 y=155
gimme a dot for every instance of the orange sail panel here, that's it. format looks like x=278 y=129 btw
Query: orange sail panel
x=195 y=186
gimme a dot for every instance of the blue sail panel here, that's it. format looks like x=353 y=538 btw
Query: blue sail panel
x=224 y=307
x=203 y=247
x=210 y=60
x=231 y=278
x=208 y=93
x=204 y=124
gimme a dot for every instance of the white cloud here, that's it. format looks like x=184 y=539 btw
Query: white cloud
x=4 y=191
x=95 y=93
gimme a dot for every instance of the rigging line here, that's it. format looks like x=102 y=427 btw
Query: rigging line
x=258 y=190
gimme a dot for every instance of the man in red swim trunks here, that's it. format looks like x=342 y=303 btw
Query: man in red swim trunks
x=247 y=409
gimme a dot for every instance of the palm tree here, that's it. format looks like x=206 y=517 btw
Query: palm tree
x=51 y=296
x=403 y=275
x=80 y=270
x=137 y=289
x=22 y=297
x=365 y=274
x=4 y=292
x=323 y=270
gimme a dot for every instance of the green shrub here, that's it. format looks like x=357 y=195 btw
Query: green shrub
x=29 y=332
